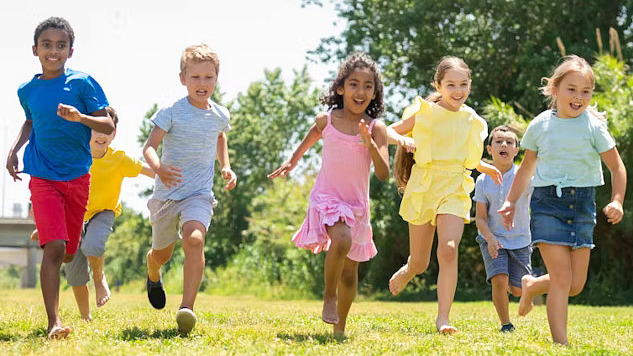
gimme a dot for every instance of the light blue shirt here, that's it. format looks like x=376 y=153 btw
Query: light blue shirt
x=568 y=150
x=487 y=192
x=191 y=145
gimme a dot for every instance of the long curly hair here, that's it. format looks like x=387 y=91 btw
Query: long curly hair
x=357 y=60
x=403 y=160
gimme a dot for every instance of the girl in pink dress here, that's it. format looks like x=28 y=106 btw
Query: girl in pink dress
x=337 y=220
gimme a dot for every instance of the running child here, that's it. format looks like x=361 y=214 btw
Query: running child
x=568 y=142
x=506 y=253
x=337 y=219
x=61 y=107
x=448 y=137
x=193 y=131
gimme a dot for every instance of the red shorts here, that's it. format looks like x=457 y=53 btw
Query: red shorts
x=59 y=208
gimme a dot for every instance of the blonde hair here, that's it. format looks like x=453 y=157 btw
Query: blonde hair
x=403 y=160
x=199 y=53
x=571 y=63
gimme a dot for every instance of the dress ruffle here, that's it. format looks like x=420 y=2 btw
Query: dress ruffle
x=327 y=210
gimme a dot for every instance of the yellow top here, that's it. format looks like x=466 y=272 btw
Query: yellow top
x=106 y=176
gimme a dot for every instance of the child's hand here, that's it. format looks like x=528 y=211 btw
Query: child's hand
x=491 y=171
x=614 y=212
x=69 y=112
x=230 y=177
x=493 y=247
x=507 y=213
x=365 y=136
x=285 y=168
x=407 y=143
x=12 y=166
x=169 y=175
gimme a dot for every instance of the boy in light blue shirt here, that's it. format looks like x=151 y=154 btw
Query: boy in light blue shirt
x=506 y=253
x=193 y=131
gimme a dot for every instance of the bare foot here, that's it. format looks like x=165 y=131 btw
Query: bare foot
x=399 y=280
x=101 y=290
x=35 y=236
x=525 y=303
x=329 y=313
x=87 y=318
x=444 y=327
x=58 y=332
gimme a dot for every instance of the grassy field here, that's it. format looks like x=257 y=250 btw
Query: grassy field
x=245 y=325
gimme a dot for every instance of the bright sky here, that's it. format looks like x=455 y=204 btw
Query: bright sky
x=133 y=47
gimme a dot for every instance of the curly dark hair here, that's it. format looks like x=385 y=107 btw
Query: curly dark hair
x=357 y=60
x=58 y=23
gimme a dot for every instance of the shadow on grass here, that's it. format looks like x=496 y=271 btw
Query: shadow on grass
x=4 y=336
x=136 y=333
x=321 y=338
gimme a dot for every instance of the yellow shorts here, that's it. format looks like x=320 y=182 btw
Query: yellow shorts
x=434 y=190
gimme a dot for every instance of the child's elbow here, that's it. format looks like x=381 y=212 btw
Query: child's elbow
x=383 y=176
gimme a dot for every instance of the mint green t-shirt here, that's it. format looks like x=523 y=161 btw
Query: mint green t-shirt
x=568 y=150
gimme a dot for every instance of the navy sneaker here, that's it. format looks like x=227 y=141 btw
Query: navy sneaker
x=507 y=328
x=156 y=294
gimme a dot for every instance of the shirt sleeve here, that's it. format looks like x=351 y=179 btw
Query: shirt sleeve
x=227 y=122
x=163 y=119
x=529 y=138
x=25 y=106
x=130 y=167
x=602 y=139
x=479 y=196
x=93 y=96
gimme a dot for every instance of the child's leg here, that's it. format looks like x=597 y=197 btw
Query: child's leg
x=82 y=297
x=420 y=244
x=449 y=234
x=193 y=233
x=49 y=281
x=346 y=292
x=341 y=242
x=156 y=259
x=101 y=285
x=558 y=262
x=500 y=296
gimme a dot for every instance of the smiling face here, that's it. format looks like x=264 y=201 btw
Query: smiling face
x=573 y=94
x=358 y=90
x=53 y=49
x=99 y=143
x=503 y=147
x=200 y=79
x=454 y=88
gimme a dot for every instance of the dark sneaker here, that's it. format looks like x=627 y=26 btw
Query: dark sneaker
x=186 y=320
x=156 y=294
x=507 y=328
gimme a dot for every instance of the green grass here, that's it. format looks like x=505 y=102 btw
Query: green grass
x=245 y=325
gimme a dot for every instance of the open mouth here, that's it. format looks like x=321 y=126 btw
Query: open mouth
x=201 y=92
x=359 y=101
x=575 y=106
x=504 y=154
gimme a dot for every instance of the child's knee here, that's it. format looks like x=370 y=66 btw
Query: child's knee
x=194 y=241
x=515 y=291
x=447 y=252
x=499 y=281
x=576 y=288
x=418 y=265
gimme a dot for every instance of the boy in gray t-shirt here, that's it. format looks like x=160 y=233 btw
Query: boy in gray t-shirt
x=506 y=253
x=193 y=131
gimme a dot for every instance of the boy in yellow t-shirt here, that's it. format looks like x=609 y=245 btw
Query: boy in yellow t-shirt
x=109 y=167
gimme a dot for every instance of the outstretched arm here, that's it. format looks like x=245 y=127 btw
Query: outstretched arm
x=491 y=171
x=397 y=130
x=147 y=171
x=99 y=120
x=223 y=157
x=169 y=175
x=376 y=142
x=614 y=210
x=521 y=181
x=312 y=137
x=12 y=158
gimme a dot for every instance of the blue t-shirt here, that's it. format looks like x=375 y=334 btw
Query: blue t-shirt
x=487 y=192
x=568 y=149
x=191 y=145
x=59 y=149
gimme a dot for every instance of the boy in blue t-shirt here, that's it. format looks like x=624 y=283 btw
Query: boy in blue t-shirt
x=62 y=106
x=506 y=253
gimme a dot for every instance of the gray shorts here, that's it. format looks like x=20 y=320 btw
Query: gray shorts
x=514 y=263
x=168 y=216
x=95 y=235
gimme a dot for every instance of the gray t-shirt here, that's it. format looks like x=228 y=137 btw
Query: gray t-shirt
x=191 y=145
x=493 y=196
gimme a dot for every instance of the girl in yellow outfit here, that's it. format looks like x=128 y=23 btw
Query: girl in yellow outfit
x=448 y=140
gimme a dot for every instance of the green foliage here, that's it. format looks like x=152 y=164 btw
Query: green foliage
x=509 y=45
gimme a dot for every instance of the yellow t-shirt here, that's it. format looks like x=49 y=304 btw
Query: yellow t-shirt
x=106 y=176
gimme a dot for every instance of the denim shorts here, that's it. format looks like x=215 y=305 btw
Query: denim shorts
x=567 y=220
x=514 y=263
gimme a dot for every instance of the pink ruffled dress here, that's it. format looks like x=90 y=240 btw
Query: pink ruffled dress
x=340 y=193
